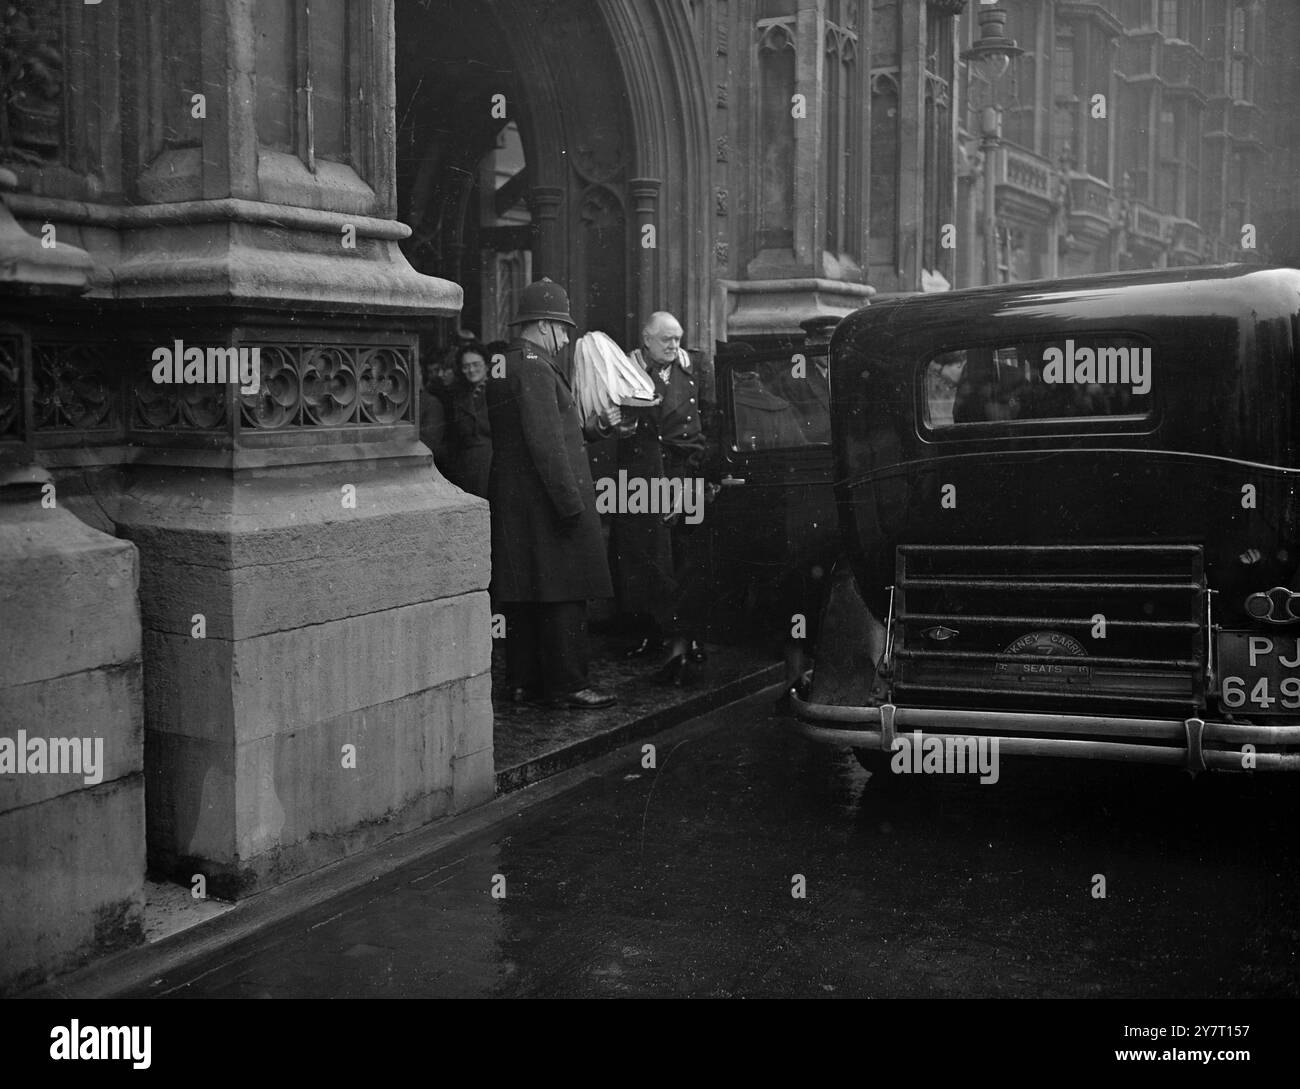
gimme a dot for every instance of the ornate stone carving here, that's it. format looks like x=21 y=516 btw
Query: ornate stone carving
x=720 y=147
x=936 y=90
x=841 y=43
x=178 y=408
x=720 y=197
x=277 y=403
x=776 y=34
x=329 y=386
x=601 y=208
x=72 y=391
x=947 y=7
x=721 y=254
x=31 y=80
x=301 y=386
x=598 y=157
x=333 y=385
x=11 y=389
x=385 y=386
x=721 y=98
x=885 y=82
x=1026 y=174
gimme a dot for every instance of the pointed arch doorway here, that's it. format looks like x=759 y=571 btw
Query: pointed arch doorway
x=511 y=164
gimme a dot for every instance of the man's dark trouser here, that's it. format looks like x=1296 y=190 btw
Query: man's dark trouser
x=546 y=646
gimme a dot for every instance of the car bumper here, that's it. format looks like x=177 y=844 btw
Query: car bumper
x=1193 y=743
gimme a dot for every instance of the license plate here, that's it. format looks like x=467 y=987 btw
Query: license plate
x=1259 y=672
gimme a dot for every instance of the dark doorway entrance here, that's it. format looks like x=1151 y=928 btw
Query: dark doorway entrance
x=513 y=152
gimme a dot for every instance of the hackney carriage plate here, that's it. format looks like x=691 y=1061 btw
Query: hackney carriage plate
x=1055 y=644
x=1259 y=673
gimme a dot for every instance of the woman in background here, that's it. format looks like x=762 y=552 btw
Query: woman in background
x=470 y=433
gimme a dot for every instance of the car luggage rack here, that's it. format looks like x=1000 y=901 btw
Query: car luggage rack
x=951 y=634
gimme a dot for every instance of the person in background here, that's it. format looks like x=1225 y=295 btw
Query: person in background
x=548 y=555
x=470 y=430
x=433 y=419
x=659 y=567
x=447 y=369
x=809 y=395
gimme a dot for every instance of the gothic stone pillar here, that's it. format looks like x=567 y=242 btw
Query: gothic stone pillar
x=313 y=593
x=72 y=856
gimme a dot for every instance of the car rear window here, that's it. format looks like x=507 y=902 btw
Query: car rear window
x=1065 y=379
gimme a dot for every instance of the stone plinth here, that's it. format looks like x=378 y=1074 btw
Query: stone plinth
x=318 y=674
x=72 y=854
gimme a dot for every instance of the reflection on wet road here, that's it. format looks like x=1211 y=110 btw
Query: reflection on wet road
x=678 y=881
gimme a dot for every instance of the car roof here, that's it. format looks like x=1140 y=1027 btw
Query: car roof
x=1158 y=302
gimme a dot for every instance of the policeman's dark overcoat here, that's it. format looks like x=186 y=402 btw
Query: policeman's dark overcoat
x=546 y=540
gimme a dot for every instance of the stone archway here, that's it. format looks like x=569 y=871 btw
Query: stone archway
x=612 y=119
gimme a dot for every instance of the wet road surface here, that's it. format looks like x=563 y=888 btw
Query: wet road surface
x=678 y=881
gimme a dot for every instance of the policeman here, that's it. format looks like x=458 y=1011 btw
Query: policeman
x=548 y=557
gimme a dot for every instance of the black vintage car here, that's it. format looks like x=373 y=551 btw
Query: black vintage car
x=1070 y=511
x=772 y=529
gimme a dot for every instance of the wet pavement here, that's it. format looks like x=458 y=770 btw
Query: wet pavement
x=530 y=743
x=678 y=881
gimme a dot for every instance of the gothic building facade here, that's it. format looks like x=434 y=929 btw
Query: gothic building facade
x=266 y=601
x=1134 y=134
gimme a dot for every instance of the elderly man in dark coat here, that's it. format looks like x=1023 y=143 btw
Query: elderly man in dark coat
x=548 y=557
x=660 y=570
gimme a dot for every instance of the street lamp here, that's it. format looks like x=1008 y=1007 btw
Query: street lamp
x=994 y=50
x=991 y=54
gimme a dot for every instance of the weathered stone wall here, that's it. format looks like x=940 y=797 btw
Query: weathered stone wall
x=72 y=853
x=213 y=210
x=322 y=626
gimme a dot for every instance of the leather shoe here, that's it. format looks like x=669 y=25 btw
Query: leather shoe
x=586 y=699
x=646 y=646
x=677 y=671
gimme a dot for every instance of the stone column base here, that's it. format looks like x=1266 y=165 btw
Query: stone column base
x=72 y=840
x=318 y=662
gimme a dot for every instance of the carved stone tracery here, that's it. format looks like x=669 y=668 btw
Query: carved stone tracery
x=776 y=34
x=77 y=390
x=72 y=391
x=31 y=80
x=331 y=386
x=11 y=389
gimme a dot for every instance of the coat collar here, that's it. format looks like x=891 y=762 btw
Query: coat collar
x=543 y=354
x=682 y=362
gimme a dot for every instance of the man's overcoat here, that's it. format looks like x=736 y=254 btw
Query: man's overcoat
x=546 y=539
x=668 y=442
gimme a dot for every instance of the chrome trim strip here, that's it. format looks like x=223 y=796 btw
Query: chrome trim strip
x=1195 y=756
x=1211 y=646
x=887 y=662
x=875 y=723
x=887 y=712
x=986 y=455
